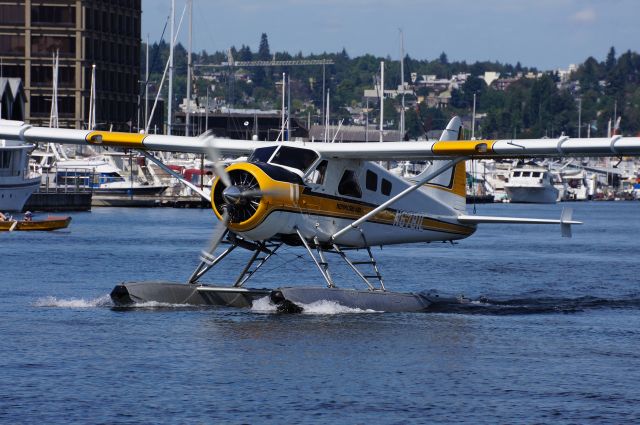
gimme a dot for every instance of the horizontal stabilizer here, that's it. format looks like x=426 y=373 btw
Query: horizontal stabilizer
x=565 y=220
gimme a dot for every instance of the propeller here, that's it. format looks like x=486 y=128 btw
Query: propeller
x=216 y=237
x=241 y=198
x=236 y=197
x=214 y=156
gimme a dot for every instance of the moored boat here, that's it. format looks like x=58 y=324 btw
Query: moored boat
x=17 y=183
x=532 y=184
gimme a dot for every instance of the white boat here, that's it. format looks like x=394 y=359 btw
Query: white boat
x=100 y=174
x=490 y=177
x=17 y=183
x=577 y=184
x=532 y=184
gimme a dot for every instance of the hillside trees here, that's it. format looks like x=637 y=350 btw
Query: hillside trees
x=529 y=107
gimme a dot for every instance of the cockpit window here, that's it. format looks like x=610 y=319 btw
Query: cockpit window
x=349 y=186
x=294 y=157
x=262 y=154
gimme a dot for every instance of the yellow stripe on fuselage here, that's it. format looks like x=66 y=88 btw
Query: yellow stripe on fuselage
x=121 y=140
x=344 y=208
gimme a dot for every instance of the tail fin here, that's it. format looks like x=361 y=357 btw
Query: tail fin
x=453 y=180
x=454 y=132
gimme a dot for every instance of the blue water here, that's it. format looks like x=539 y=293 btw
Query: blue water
x=555 y=337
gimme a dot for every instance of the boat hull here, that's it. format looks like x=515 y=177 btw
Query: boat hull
x=532 y=195
x=129 y=191
x=13 y=196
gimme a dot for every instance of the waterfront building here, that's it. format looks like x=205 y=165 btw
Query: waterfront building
x=84 y=32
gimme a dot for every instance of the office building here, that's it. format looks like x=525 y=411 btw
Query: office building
x=84 y=32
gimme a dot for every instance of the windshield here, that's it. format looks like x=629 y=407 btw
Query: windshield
x=262 y=154
x=300 y=159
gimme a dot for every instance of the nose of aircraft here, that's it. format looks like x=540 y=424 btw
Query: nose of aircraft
x=233 y=195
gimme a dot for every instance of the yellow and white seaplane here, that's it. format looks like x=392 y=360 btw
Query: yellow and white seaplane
x=328 y=198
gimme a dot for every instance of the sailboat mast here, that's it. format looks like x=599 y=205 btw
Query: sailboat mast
x=289 y=107
x=92 y=99
x=189 y=66
x=170 y=95
x=402 y=125
x=53 y=116
x=381 y=99
x=146 y=88
x=284 y=87
x=326 y=118
x=473 y=119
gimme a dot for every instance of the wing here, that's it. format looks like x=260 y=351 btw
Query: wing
x=372 y=151
x=476 y=149
x=21 y=131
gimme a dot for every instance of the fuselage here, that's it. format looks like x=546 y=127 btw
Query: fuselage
x=302 y=191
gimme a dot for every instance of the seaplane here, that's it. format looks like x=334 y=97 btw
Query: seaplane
x=331 y=199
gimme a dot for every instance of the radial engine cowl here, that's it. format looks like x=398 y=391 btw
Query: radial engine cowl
x=241 y=200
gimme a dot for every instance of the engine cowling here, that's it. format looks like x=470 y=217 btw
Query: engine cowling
x=254 y=192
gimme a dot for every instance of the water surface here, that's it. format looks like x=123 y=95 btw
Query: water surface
x=553 y=337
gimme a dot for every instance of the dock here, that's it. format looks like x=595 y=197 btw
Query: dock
x=59 y=200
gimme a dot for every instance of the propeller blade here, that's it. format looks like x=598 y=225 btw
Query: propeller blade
x=218 y=233
x=214 y=156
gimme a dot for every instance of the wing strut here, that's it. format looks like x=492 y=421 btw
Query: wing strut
x=435 y=173
x=205 y=195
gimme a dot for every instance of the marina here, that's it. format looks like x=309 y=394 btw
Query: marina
x=269 y=234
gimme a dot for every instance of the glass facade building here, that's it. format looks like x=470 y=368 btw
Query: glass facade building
x=83 y=32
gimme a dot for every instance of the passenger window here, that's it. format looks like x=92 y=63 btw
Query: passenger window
x=536 y=174
x=385 y=186
x=516 y=174
x=372 y=181
x=349 y=186
x=526 y=174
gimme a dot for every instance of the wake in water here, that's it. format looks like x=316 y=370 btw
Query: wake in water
x=542 y=305
x=323 y=307
x=103 y=301
x=481 y=305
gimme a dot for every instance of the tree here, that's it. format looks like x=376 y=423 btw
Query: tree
x=518 y=67
x=260 y=74
x=443 y=58
x=263 y=51
x=244 y=54
x=589 y=74
x=611 y=59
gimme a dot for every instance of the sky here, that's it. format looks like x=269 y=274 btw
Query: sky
x=546 y=34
